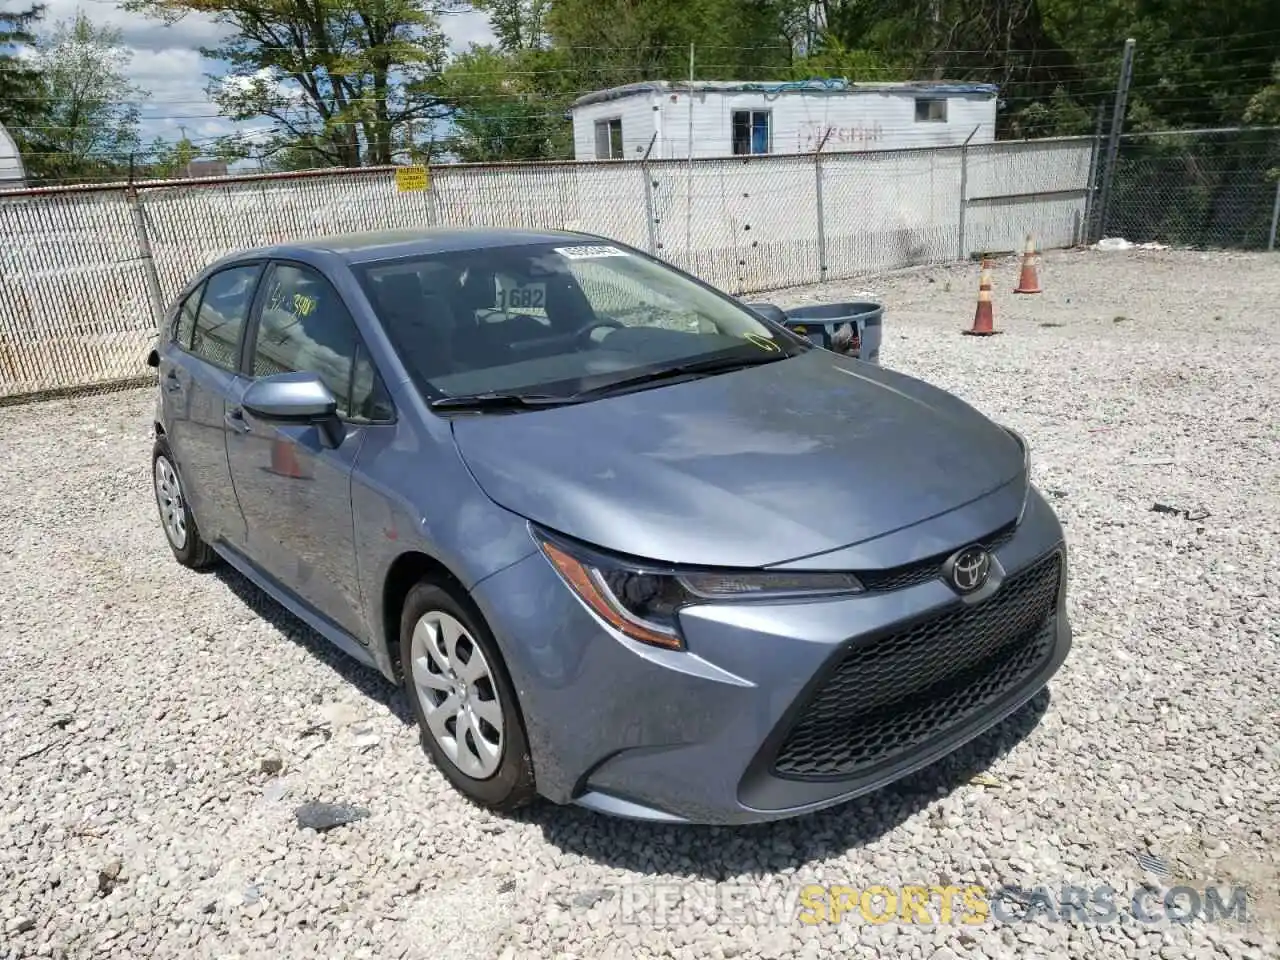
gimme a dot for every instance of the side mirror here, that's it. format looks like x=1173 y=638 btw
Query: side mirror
x=769 y=311
x=153 y=358
x=300 y=398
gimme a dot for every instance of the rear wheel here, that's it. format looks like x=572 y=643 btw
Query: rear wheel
x=175 y=515
x=466 y=709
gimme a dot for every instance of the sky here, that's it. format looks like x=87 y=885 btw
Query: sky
x=167 y=63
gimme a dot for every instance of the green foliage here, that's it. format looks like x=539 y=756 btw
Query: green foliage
x=832 y=58
x=89 y=115
x=347 y=78
x=506 y=106
x=169 y=160
x=612 y=42
x=518 y=24
x=350 y=82
x=1264 y=106
x=20 y=92
x=1195 y=189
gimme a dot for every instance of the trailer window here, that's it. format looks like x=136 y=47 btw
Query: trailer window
x=609 y=139
x=931 y=111
x=751 y=132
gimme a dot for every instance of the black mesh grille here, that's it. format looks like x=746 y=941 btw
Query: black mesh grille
x=892 y=694
x=922 y=571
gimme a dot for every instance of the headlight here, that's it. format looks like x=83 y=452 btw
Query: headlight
x=643 y=601
x=1026 y=467
x=1026 y=450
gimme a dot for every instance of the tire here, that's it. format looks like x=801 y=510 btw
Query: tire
x=501 y=776
x=176 y=520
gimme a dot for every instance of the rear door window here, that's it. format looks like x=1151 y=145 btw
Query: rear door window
x=223 y=313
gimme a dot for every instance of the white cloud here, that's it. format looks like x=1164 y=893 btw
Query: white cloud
x=464 y=29
x=167 y=63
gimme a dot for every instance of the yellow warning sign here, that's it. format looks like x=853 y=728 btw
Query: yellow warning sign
x=412 y=178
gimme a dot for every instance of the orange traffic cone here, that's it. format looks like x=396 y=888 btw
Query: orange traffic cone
x=284 y=461
x=983 y=317
x=1028 y=280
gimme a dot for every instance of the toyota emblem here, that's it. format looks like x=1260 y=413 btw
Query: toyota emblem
x=968 y=569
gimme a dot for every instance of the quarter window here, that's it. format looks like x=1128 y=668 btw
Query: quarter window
x=184 y=324
x=220 y=322
x=305 y=326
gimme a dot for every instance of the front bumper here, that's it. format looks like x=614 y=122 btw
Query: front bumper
x=776 y=710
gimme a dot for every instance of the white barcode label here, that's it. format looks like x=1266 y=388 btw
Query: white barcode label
x=590 y=253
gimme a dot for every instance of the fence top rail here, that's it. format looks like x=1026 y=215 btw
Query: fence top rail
x=1199 y=131
x=162 y=183
x=1035 y=141
x=450 y=169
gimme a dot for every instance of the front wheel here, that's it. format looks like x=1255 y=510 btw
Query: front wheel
x=466 y=709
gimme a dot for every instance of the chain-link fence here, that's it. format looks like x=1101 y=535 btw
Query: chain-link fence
x=85 y=273
x=1205 y=189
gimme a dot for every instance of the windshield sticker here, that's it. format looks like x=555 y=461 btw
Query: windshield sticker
x=590 y=252
x=764 y=343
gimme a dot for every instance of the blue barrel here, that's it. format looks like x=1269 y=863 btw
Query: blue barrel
x=823 y=323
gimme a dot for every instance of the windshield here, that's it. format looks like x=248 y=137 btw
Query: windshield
x=555 y=319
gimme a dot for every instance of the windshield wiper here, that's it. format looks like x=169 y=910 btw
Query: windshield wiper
x=711 y=365
x=499 y=401
x=529 y=401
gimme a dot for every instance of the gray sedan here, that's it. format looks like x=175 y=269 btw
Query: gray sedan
x=625 y=541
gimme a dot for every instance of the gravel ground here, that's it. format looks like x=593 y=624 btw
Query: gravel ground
x=159 y=727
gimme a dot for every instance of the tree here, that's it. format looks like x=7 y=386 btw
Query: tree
x=1264 y=106
x=170 y=159
x=612 y=42
x=504 y=108
x=342 y=76
x=89 y=120
x=20 y=93
x=508 y=102
x=518 y=24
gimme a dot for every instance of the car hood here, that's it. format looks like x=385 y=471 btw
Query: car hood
x=751 y=468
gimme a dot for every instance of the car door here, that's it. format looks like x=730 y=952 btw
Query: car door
x=196 y=380
x=294 y=491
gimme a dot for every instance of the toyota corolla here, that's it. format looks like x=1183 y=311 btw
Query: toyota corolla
x=625 y=541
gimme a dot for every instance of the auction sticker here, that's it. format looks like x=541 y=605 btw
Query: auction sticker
x=529 y=296
x=590 y=252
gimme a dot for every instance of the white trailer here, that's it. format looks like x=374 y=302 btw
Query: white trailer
x=726 y=118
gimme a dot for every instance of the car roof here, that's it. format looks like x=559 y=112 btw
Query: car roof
x=374 y=245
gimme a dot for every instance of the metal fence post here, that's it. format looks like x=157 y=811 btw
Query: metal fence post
x=1091 y=194
x=1117 y=125
x=145 y=255
x=1275 y=216
x=964 y=190
x=649 y=213
x=822 y=226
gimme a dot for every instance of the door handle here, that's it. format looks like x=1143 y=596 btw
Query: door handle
x=172 y=383
x=235 y=420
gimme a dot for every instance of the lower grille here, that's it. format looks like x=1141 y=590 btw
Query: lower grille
x=893 y=694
